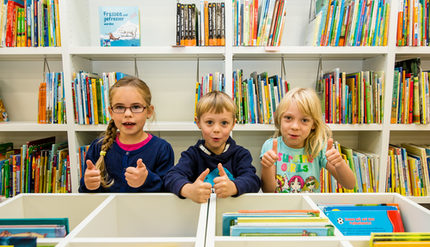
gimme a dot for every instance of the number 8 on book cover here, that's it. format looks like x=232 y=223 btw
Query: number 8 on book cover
x=119 y=26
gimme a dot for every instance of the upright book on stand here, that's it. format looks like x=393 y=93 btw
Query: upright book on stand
x=119 y=26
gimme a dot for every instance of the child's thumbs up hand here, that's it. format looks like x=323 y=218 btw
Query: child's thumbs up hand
x=333 y=156
x=199 y=191
x=136 y=176
x=271 y=156
x=223 y=186
x=92 y=176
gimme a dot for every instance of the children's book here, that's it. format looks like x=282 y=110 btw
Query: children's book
x=119 y=26
x=362 y=220
x=34 y=227
x=18 y=241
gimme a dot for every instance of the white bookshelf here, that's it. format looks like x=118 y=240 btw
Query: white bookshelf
x=162 y=219
x=152 y=219
x=171 y=73
x=414 y=217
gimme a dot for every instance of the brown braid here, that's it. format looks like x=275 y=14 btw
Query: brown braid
x=109 y=138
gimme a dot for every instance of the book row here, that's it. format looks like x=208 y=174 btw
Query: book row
x=204 y=26
x=258 y=23
x=258 y=96
x=365 y=167
x=91 y=96
x=350 y=219
x=52 y=105
x=408 y=170
x=411 y=99
x=39 y=166
x=352 y=98
x=413 y=23
x=350 y=23
x=29 y=23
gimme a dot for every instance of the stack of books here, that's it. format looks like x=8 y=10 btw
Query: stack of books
x=276 y=223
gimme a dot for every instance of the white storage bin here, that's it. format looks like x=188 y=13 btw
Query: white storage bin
x=75 y=207
x=159 y=219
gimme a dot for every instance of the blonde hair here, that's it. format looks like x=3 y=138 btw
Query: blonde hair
x=308 y=103
x=217 y=102
x=111 y=131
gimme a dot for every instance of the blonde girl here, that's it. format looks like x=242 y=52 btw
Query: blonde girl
x=301 y=145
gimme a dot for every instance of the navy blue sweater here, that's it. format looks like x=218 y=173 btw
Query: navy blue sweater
x=236 y=159
x=157 y=155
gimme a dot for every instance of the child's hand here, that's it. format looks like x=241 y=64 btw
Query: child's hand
x=92 y=176
x=270 y=157
x=338 y=167
x=333 y=156
x=136 y=176
x=224 y=187
x=198 y=191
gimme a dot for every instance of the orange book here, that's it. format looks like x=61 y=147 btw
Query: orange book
x=400 y=25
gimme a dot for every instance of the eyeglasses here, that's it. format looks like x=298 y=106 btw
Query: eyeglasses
x=134 y=108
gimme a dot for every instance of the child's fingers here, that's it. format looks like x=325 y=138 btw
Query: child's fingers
x=140 y=164
x=275 y=146
x=329 y=143
x=221 y=170
x=203 y=175
x=90 y=165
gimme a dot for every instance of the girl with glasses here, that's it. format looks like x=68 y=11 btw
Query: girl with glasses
x=126 y=158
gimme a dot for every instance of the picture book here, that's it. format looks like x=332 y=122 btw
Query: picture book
x=18 y=241
x=34 y=227
x=362 y=220
x=119 y=26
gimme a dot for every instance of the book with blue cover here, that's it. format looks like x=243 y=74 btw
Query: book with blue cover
x=362 y=219
x=119 y=26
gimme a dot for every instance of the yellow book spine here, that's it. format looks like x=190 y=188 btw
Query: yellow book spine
x=95 y=107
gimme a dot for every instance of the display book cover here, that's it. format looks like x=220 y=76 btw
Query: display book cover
x=363 y=219
x=119 y=26
x=276 y=223
x=34 y=227
x=400 y=239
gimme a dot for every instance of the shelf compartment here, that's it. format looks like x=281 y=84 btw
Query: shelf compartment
x=75 y=207
x=161 y=216
x=254 y=201
x=409 y=210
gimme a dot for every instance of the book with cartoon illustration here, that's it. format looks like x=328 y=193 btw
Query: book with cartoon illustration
x=363 y=219
x=119 y=26
x=34 y=227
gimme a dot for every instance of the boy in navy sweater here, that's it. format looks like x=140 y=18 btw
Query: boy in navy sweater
x=215 y=162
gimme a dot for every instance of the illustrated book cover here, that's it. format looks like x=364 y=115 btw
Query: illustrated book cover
x=119 y=26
